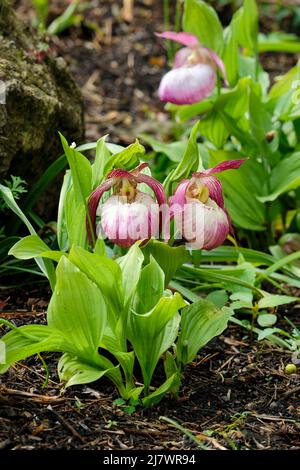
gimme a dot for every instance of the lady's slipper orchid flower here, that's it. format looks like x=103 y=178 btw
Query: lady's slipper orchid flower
x=194 y=73
x=198 y=208
x=128 y=214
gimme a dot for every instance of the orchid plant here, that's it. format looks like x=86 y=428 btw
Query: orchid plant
x=109 y=314
x=246 y=118
x=119 y=316
x=127 y=267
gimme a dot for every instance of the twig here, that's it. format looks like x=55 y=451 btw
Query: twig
x=33 y=396
x=68 y=426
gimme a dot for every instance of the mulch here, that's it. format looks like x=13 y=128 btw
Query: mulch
x=235 y=395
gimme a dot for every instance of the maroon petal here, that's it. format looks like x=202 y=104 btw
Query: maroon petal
x=139 y=168
x=187 y=39
x=119 y=173
x=93 y=203
x=227 y=165
x=215 y=189
x=155 y=185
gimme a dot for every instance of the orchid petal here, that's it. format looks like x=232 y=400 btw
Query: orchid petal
x=141 y=167
x=227 y=165
x=215 y=189
x=155 y=185
x=220 y=64
x=187 y=85
x=181 y=57
x=205 y=226
x=178 y=200
x=119 y=173
x=93 y=203
x=187 y=39
x=124 y=223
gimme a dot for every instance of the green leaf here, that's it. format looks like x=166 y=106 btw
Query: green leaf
x=100 y=247
x=278 y=42
x=75 y=218
x=127 y=359
x=77 y=309
x=260 y=123
x=171 y=368
x=212 y=127
x=244 y=272
x=229 y=116
x=231 y=253
x=200 y=322
x=267 y=333
x=33 y=246
x=62 y=232
x=218 y=297
x=169 y=258
x=283 y=87
x=230 y=53
x=150 y=287
x=64 y=21
x=28 y=340
x=272 y=300
x=248 y=25
x=155 y=397
x=131 y=265
x=81 y=172
x=46 y=266
x=128 y=158
x=243 y=189
x=105 y=273
x=185 y=112
x=202 y=20
x=98 y=167
x=284 y=177
x=73 y=371
x=266 y=319
x=189 y=162
x=152 y=333
x=173 y=150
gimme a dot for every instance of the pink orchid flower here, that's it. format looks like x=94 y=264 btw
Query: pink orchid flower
x=128 y=214
x=198 y=208
x=194 y=73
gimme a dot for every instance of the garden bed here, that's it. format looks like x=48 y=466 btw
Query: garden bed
x=236 y=395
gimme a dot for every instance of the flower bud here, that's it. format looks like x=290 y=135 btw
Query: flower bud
x=194 y=73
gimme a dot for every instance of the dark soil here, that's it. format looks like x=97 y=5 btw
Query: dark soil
x=118 y=65
x=235 y=396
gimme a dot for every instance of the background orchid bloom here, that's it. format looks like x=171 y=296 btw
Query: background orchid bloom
x=128 y=214
x=194 y=73
x=198 y=208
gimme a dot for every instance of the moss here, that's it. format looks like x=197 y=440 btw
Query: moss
x=41 y=98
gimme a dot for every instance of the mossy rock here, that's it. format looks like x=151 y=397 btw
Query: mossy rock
x=39 y=99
